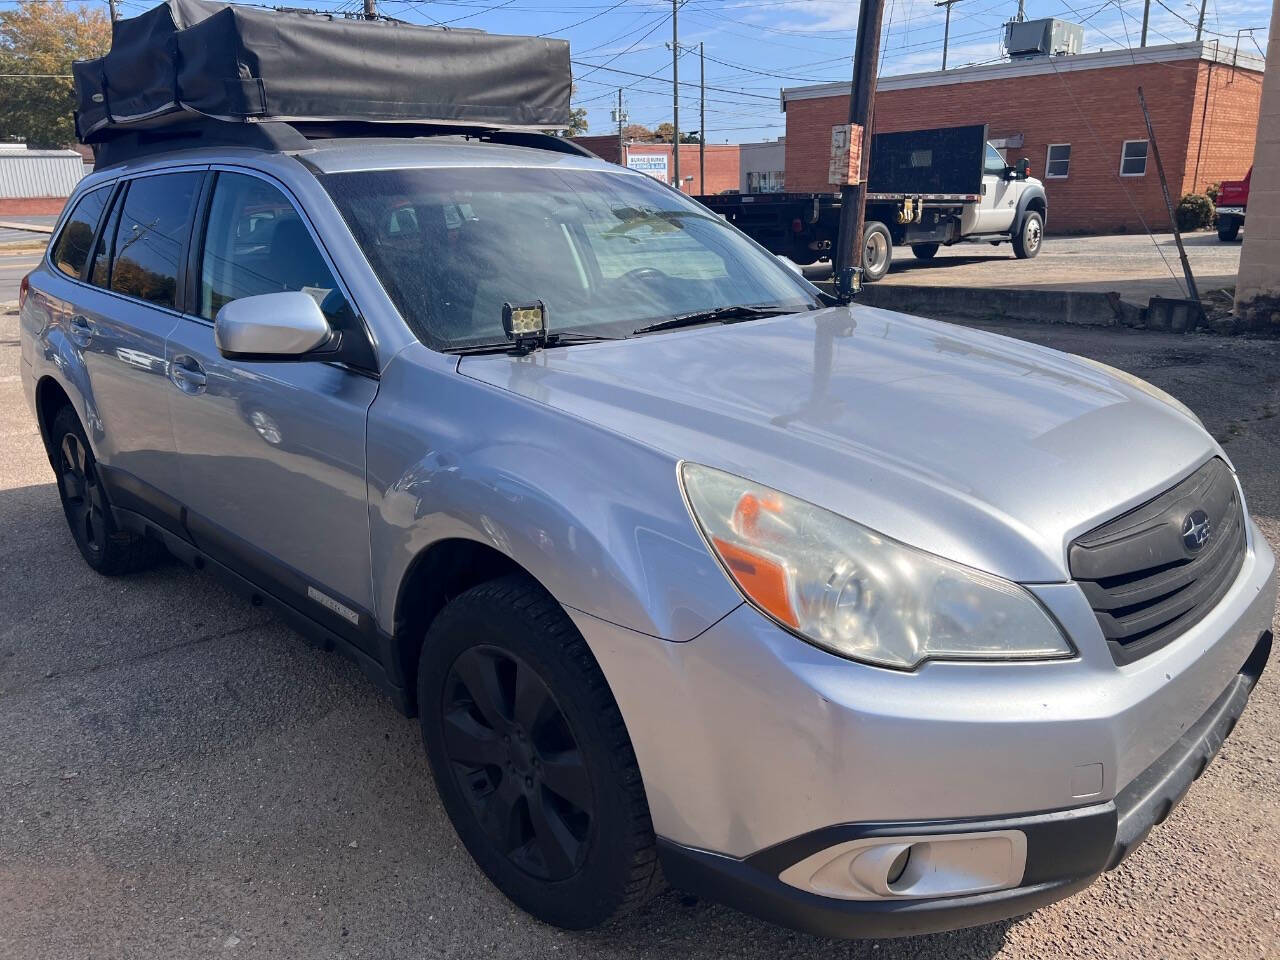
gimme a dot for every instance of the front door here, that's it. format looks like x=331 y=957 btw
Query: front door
x=999 y=195
x=272 y=454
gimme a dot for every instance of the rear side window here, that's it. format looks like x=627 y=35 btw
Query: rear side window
x=149 y=237
x=72 y=249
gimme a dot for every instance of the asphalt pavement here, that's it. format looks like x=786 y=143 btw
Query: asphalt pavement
x=1136 y=266
x=182 y=777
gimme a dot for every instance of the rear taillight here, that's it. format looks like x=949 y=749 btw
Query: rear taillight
x=23 y=286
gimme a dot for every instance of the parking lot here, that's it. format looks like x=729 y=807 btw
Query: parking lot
x=1136 y=266
x=181 y=776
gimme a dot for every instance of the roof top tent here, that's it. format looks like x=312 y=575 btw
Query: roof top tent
x=180 y=64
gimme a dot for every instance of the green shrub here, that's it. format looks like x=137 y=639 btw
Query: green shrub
x=1195 y=211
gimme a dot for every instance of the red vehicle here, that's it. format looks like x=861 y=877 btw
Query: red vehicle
x=1233 y=197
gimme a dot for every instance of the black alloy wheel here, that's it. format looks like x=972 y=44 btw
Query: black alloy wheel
x=82 y=496
x=531 y=756
x=105 y=547
x=517 y=762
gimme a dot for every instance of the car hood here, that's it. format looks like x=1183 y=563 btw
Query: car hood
x=987 y=450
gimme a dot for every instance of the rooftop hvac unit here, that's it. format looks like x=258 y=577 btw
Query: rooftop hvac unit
x=1026 y=39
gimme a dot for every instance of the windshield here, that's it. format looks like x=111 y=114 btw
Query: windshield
x=607 y=253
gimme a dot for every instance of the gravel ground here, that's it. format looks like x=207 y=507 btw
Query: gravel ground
x=180 y=776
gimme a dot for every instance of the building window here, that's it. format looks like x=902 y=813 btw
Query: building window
x=1058 y=161
x=1133 y=158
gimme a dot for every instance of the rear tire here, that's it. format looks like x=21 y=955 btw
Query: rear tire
x=532 y=759
x=925 y=251
x=1228 y=229
x=877 y=254
x=1030 y=236
x=105 y=547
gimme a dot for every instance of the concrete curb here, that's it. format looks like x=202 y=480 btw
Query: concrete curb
x=1042 y=306
x=19 y=225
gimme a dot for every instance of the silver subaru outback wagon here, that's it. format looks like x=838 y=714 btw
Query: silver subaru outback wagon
x=863 y=623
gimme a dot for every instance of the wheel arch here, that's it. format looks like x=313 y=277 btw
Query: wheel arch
x=51 y=396
x=439 y=572
x=1033 y=198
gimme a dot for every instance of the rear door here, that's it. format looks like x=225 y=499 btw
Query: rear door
x=999 y=195
x=272 y=454
x=125 y=305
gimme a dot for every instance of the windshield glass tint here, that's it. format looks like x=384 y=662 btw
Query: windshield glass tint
x=606 y=253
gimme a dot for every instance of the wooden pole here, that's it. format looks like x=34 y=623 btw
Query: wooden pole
x=1192 y=292
x=866 y=58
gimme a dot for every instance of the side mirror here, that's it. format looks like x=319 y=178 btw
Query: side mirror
x=1024 y=168
x=271 y=326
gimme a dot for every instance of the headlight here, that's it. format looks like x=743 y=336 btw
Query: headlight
x=857 y=593
x=1150 y=389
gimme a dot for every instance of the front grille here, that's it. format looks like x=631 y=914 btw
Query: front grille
x=1145 y=584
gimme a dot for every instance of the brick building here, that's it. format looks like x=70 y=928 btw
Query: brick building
x=1203 y=101
x=656 y=160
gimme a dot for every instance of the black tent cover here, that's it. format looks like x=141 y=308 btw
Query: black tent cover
x=190 y=58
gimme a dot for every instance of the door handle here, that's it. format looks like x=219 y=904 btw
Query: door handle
x=187 y=374
x=80 y=329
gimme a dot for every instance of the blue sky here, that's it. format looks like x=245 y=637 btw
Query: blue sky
x=755 y=47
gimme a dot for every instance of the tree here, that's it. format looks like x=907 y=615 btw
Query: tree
x=637 y=131
x=43 y=37
x=577 y=125
x=577 y=122
x=666 y=131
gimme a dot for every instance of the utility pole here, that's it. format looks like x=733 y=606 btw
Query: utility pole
x=675 y=90
x=702 y=120
x=866 y=58
x=621 y=116
x=115 y=11
x=1146 y=18
x=371 y=9
x=946 y=30
x=1200 y=22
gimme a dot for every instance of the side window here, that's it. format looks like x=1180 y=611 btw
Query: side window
x=71 y=250
x=150 y=235
x=1058 y=161
x=255 y=242
x=995 y=162
x=1133 y=158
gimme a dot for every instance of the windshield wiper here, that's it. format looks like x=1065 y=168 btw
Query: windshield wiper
x=553 y=340
x=716 y=315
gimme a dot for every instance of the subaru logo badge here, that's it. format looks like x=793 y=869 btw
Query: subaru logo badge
x=1195 y=530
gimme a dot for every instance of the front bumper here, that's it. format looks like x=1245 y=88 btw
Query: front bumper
x=1066 y=850
x=750 y=741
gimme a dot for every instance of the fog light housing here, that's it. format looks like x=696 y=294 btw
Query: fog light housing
x=914 y=867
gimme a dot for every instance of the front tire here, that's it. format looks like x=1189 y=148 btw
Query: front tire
x=105 y=547
x=877 y=253
x=532 y=759
x=1228 y=229
x=1030 y=237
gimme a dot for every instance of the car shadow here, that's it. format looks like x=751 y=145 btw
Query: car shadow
x=683 y=917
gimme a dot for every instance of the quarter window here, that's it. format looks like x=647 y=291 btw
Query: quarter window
x=149 y=237
x=256 y=243
x=1058 y=162
x=1133 y=158
x=72 y=249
